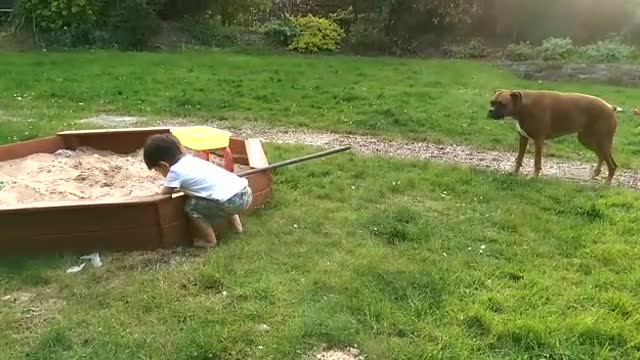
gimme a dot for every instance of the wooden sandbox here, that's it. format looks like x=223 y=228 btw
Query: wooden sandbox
x=153 y=222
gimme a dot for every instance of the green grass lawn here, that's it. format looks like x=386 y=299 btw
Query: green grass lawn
x=352 y=250
x=381 y=253
x=438 y=100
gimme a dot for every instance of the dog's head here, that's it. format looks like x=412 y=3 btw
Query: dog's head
x=504 y=103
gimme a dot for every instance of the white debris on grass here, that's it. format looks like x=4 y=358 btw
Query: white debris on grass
x=336 y=354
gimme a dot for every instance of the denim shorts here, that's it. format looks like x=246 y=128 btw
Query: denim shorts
x=211 y=211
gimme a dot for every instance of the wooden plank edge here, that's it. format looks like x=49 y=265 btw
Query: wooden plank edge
x=160 y=129
x=255 y=153
x=17 y=150
x=87 y=204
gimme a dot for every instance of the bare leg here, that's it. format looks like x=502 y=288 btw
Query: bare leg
x=538 y=161
x=203 y=234
x=524 y=142
x=236 y=223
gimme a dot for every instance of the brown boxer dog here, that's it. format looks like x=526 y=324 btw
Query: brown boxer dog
x=545 y=115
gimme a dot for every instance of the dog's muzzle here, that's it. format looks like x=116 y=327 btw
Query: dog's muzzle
x=495 y=114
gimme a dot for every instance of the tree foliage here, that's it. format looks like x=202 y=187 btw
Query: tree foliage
x=238 y=11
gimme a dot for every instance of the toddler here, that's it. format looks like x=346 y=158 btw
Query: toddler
x=214 y=193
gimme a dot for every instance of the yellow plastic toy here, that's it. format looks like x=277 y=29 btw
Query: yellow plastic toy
x=202 y=138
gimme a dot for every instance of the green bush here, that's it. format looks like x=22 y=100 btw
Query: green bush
x=208 y=32
x=365 y=39
x=316 y=34
x=55 y=15
x=229 y=36
x=5 y=18
x=133 y=23
x=556 y=49
x=520 y=52
x=474 y=49
x=281 y=32
x=238 y=12
x=57 y=39
x=344 y=18
x=367 y=36
x=179 y=9
x=75 y=37
x=562 y=49
x=129 y=24
x=607 y=51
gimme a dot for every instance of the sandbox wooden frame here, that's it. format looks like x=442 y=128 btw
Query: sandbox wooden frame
x=153 y=222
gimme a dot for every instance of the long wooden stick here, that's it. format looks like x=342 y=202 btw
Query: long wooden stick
x=295 y=161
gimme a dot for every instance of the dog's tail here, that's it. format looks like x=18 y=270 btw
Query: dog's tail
x=617 y=109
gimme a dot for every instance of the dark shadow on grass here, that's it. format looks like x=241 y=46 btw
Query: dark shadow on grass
x=29 y=272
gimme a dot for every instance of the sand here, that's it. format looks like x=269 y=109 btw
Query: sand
x=84 y=174
x=79 y=176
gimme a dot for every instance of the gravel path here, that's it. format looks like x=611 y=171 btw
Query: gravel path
x=465 y=155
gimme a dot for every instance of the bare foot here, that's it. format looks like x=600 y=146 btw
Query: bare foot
x=236 y=223
x=203 y=234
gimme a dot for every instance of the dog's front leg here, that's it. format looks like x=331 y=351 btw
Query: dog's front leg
x=538 y=161
x=524 y=142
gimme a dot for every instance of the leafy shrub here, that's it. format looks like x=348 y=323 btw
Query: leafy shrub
x=520 y=52
x=5 y=18
x=475 y=49
x=239 y=12
x=364 y=40
x=130 y=24
x=228 y=36
x=281 y=32
x=179 y=9
x=89 y=36
x=57 y=39
x=316 y=34
x=207 y=32
x=344 y=18
x=607 y=51
x=556 y=49
x=77 y=36
x=367 y=36
x=133 y=23
x=54 y=15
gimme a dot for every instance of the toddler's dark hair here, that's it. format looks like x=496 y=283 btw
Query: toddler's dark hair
x=161 y=147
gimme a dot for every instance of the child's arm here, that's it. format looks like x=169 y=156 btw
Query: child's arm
x=169 y=190
x=172 y=183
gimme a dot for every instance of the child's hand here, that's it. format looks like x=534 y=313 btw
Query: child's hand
x=168 y=190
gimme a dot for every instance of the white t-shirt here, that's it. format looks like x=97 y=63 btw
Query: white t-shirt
x=201 y=178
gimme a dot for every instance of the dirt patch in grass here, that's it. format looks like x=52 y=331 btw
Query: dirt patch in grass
x=154 y=260
x=337 y=354
x=459 y=154
x=31 y=310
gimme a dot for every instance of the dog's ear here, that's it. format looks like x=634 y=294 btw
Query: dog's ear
x=516 y=96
